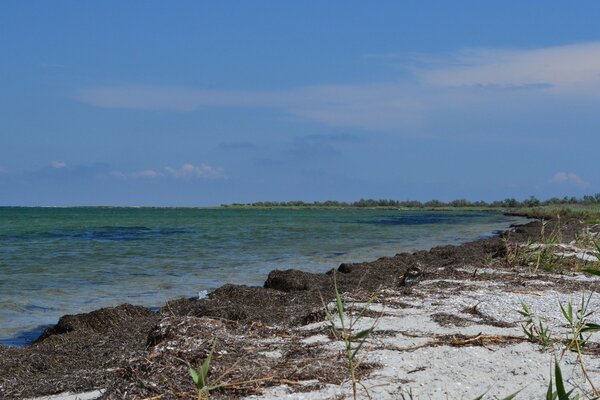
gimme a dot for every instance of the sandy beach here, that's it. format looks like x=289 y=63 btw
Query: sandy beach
x=455 y=334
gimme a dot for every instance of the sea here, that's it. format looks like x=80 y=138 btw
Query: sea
x=57 y=261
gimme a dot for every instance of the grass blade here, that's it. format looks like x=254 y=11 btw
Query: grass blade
x=339 y=304
x=549 y=394
x=592 y=271
x=206 y=366
x=560 y=386
x=568 y=313
x=590 y=327
x=195 y=377
x=362 y=334
x=357 y=349
x=512 y=396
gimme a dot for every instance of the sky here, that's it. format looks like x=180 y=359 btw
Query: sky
x=192 y=103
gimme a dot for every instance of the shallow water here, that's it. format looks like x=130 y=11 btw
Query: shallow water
x=56 y=261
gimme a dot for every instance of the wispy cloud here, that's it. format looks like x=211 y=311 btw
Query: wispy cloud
x=571 y=68
x=60 y=170
x=143 y=174
x=430 y=85
x=3 y=170
x=378 y=106
x=58 y=164
x=202 y=171
x=147 y=173
x=569 y=178
x=186 y=171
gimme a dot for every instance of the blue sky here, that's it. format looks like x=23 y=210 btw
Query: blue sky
x=203 y=103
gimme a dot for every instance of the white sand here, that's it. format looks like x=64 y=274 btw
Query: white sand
x=73 y=396
x=446 y=372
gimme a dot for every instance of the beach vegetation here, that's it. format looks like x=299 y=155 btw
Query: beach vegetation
x=346 y=332
x=200 y=377
x=580 y=330
x=550 y=253
x=535 y=328
x=561 y=393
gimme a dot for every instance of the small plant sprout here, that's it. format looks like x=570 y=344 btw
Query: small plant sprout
x=353 y=342
x=535 y=332
x=200 y=377
x=578 y=323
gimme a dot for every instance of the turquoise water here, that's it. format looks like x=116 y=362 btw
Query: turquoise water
x=55 y=261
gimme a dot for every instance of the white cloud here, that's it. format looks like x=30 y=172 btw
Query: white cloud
x=195 y=171
x=569 y=178
x=58 y=164
x=571 y=68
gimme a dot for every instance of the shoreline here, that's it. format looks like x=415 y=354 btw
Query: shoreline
x=287 y=302
x=35 y=317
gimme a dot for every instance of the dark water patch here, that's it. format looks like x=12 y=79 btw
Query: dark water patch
x=24 y=338
x=143 y=274
x=107 y=233
x=33 y=307
x=119 y=234
x=417 y=219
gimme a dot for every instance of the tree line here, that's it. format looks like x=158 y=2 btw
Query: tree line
x=369 y=203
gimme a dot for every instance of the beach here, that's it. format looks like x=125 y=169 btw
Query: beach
x=456 y=333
